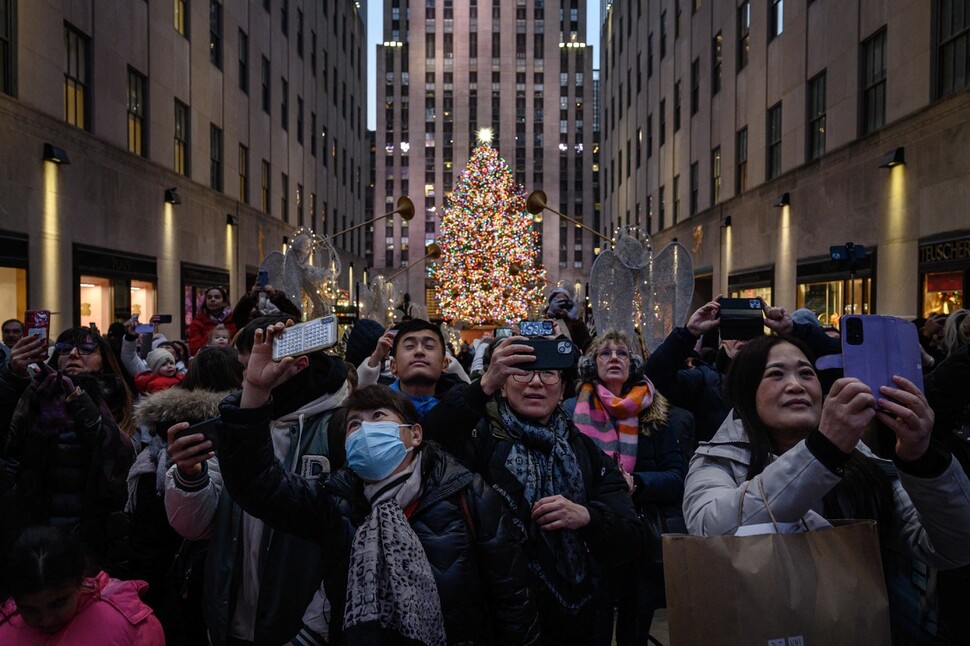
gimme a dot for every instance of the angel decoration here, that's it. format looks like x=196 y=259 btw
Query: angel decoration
x=644 y=295
x=307 y=272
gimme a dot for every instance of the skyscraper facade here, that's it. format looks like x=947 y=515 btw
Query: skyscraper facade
x=769 y=137
x=252 y=111
x=517 y=71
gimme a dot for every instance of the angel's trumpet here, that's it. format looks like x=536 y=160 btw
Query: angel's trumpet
x=405 y=207
x=535 y=204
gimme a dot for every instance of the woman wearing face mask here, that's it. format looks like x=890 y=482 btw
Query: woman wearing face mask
x=215 y=311
x=68 y=439
x=417 y=549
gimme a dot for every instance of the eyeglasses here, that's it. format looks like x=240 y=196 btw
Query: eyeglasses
x=65 y=347
x=605 y=355
x=548 y=377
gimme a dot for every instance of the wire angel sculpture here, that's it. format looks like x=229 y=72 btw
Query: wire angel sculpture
x=644 y=295
x=307 y=272
x=378 y=300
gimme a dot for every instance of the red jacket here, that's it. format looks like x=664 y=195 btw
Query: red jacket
x=149 y=382
x=202 y=324
x=109 y=613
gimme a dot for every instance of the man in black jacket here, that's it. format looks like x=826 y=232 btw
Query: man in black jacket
x=418 y=549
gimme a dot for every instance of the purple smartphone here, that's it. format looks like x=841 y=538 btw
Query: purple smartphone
x=874 y=348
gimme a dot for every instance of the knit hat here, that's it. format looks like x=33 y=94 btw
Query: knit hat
x=158 y=339
x=362 y=340
x=157 y=358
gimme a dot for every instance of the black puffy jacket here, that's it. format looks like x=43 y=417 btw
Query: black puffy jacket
x=479 y=570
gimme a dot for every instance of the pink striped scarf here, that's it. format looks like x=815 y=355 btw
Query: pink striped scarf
x=611 y=421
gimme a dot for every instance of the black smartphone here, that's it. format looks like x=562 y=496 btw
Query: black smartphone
x=536 y=328
x=262 y=278
x=741 y=318
x=551 y=354
x=161 y=318
x=208 y=428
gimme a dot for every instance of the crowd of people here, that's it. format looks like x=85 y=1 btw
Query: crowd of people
x=155 y=491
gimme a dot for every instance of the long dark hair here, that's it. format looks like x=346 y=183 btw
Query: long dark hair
x=42 y=558
x=214 y=369
x=865 y=490
x=111 y=388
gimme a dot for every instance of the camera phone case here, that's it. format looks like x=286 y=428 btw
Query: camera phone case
x=888 y=346
x=304 y=338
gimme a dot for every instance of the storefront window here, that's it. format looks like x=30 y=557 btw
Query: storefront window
x=13 y=293
x=106 y=300
x=752 y=292
x=942 y=292
x=831 y=299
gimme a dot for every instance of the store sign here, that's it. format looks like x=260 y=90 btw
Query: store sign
x=945 y=251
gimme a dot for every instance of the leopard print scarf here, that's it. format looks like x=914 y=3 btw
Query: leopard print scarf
x=390 y=581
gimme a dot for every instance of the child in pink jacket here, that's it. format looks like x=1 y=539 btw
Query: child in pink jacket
x=52 y=603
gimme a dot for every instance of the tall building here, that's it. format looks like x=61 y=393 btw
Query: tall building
x=199 y=134
x=446 y=71
x=762 y=133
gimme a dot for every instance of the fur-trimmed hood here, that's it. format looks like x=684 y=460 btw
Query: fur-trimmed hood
x=162 y=409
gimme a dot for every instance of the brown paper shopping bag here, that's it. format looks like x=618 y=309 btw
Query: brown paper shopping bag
x=818 y=587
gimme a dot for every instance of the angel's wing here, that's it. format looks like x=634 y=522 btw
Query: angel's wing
x=672 y=279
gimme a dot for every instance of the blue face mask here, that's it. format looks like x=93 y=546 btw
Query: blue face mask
x=375 y=449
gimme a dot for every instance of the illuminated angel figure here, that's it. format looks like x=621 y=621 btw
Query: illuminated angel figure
x=307 y=272
x=632 y=290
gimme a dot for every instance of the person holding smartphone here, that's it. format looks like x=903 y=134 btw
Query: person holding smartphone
x=215 y=310
x=69 y=437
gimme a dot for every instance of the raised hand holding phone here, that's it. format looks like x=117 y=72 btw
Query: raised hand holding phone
x=263 y=373
x=30 y=349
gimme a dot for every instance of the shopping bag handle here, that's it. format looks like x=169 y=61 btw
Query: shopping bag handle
x=764 y=499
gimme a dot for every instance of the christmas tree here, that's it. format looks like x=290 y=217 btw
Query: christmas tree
x=487 y=272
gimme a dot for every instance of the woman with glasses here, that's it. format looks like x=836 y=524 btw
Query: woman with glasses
x=569 y=502
x=67 y=451
x=629 y=421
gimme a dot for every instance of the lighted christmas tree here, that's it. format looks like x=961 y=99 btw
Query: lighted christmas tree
x=487 y=272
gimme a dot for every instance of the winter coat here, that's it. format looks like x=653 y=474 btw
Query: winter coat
x=72 y=462
x=478 y=568
x=613 y=535
x=932 y=512
x=948 y=394
x=198 y=333
x=289 y=568
x=109 y=613
x=154 y=544
x=149 y=382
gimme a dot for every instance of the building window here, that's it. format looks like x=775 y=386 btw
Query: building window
x=299 y=119
x=776 y=12
x=136 y=113
x=215 y=157
x=661 y=210
x=816 y=116
x=662 y=125
x=243 y=174
x=741 y=161
x=717 y=60
x=299 y=33
x=181 y=138
x=215 y=33
x=744 y=34
x=76 y=77
x=181 y=17
x=773 y=142
x=677 y=106
x=284 y=104
x=694 y=181
x=649 y=136
x=676 y=199
x=695 y=86
x=264 y=78
x=663 y=34
x=264 y=187
x=299 y=205
x=285 y=17
x=243 y=61
x=715 y=176
x=7 y=28
x=874 y=82
x=285 y=197
x=954 y=41
x=313 y=134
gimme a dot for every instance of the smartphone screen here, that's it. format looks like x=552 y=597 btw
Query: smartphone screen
x=503 y=332
x=262 y=278
x=536 y=328
x=38 y=322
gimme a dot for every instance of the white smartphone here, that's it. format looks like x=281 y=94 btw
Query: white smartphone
x=304 y=338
